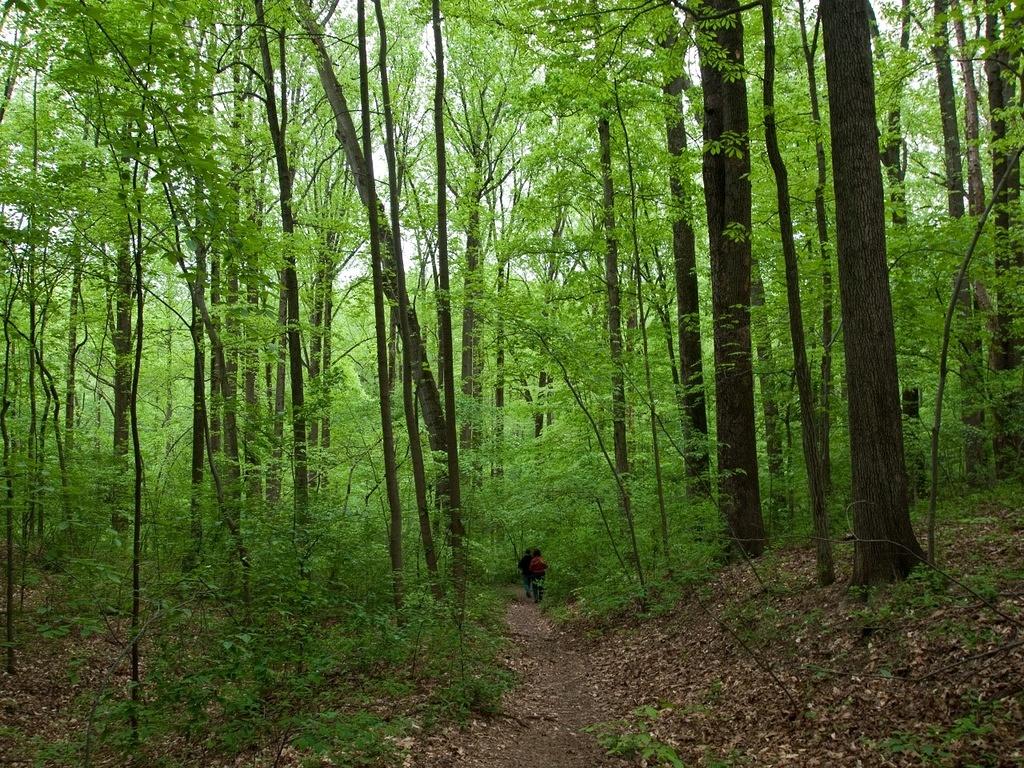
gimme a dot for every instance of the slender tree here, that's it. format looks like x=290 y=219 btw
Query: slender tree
x=684 y=253
x=278 y=126
x=380 y=324
x=801 y=367
x=454 y=501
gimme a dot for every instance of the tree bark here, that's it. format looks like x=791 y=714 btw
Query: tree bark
x=728 y=200
x=767 y=376
x=194 y=553
x=1007 y=345
x=71 y=376
x=885 y=547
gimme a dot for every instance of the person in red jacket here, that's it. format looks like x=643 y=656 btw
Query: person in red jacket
x=537 y=570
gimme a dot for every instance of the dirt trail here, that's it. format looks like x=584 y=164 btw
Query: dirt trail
x=542 y=721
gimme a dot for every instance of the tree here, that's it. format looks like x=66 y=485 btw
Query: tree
x=727 y=195
x=802 y=369
x=684 y=253
x=380 y=327
x=885 y=547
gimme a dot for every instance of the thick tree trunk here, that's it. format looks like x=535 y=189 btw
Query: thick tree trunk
x=276 y=393
x=472 y=355
x=253 y=474
x=195 y=550
x=1007 y=345
x=728 y=198
x=952 y=159
x=122 y=343
x=498 y=468
x=135 y=687
x=970 y=352
x=885 y=547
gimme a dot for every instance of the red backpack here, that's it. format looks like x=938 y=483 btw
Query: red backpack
x=538 y=566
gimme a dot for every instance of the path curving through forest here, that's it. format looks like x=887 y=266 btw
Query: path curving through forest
x=543 y=717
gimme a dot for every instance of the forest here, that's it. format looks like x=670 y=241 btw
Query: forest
x=318 y=314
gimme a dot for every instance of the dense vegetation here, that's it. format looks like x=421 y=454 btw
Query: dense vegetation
x=315 y=315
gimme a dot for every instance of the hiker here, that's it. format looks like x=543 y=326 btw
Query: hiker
x=524 y=569
x=537 y=570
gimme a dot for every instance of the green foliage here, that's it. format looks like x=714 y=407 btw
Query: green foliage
x=633 y=739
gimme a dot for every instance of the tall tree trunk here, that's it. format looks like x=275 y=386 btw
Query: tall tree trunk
x=70 y=385
x=684 y=251
x=426 y=385
x=892 y=148
x=455 y=526
x=885 y=547
x=1007 y=344
x=195 y=551
x=952 y=159
x=380 y=320
x=972 y=131
x=728 y=198
x=472 y=356
x=810 y=45
x=122 y=343
x=611 y=278
x=766 y=375
x=802 y=369
x=642 y=322
x=276 y=397
x=499 y=371
x=5 y=405
x=278 y=130
x=214 y=404
x=254 y=485
x=35 y=507
x=408 y=396
x=135 y=686
x=970 y=354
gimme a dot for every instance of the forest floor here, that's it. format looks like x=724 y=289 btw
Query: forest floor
x=754 y=666
x=761 y=667
x=542 y=719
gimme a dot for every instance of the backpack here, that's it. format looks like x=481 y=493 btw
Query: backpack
x=538 y=566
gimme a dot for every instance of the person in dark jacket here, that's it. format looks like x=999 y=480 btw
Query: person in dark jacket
x=537 y=570
x=524 y=569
